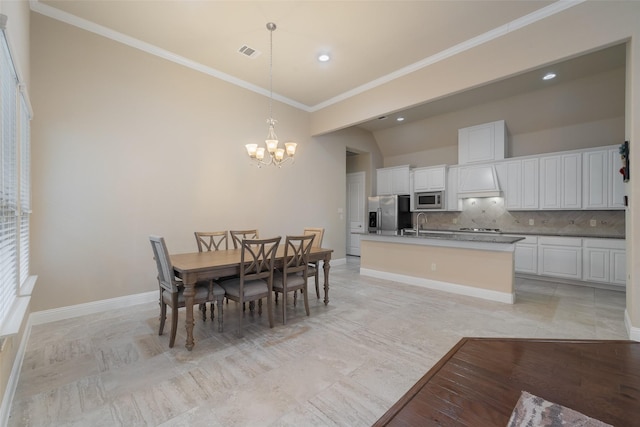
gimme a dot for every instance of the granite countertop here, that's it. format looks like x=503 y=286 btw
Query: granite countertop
x=529 y=233
x=454 y=236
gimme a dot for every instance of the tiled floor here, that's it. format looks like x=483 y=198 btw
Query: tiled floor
x=345 y=365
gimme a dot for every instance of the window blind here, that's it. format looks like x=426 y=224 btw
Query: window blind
x=9 y=180
x=25 y=185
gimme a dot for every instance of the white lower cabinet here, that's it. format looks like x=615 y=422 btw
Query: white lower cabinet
x=604 y=261
x=560 y=257
x=526 y=255
x=587 y=259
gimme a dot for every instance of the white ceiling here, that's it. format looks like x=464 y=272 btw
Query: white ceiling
x=370 y=42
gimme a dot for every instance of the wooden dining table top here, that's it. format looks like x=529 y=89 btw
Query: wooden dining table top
x=228 y=258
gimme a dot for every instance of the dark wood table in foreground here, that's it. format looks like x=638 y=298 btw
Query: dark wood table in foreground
x=479 y=382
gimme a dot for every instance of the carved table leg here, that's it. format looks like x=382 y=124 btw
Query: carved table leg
x=326 y=268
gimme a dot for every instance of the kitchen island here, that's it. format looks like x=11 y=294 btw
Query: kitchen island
x=478 y=265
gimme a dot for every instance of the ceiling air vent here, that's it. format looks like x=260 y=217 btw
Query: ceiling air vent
x=249 y=51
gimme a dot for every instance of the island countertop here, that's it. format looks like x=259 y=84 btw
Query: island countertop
x=491 y=242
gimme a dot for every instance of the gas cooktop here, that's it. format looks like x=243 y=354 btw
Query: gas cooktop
x=481 y=230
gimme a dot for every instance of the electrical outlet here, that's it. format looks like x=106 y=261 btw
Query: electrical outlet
x=593 y=223
x=433 y=266
x=531 y=221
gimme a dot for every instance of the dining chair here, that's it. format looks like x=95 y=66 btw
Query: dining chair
x=172 y=289
x=294 y=273
x=257 y=260
x=211 y=241
x=314 y=267
x=237 y=236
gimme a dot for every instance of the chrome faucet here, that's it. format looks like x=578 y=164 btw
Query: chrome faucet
x=418 y=220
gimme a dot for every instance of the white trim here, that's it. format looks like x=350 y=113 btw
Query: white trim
x=27 y=287
x=508 y=298
x=46 y=316
x=632 y=331
x=545 y=12
x=11 y=325
x=14 y=377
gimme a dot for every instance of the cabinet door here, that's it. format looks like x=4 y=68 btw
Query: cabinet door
x=561 y=182
x=512 y=186
x=550 y=176
x=453 y=203
x=571 y=183
x=596 y=264
x=429 y=179
x=530 y=181
x=618 y=267
x=616 y=184
x=526 y=258
x=400 y=180
x=595 y=179
x=383 y=181
x=560 y=257
x=482 y=143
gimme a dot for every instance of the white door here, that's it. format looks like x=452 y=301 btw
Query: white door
x=355 y=211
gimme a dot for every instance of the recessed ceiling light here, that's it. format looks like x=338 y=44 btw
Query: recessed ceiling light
x=324 y=57
x=549 y=76
x=400 y=119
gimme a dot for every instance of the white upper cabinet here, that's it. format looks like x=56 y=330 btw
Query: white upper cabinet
x=453 y=203
x=603 y=187
x=482 y=143
x=616 y=184
x=393 y=180
x=519 y=183
x=430 y=178
x=561 y=181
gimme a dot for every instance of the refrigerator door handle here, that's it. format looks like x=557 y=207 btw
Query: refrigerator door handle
x=379 y=219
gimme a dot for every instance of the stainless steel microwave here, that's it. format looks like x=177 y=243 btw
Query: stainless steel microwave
x=429 y=200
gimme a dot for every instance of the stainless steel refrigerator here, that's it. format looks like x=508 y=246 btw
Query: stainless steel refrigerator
x=389 y=213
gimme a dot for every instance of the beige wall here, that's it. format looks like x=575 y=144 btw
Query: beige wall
x=585 y=113
x=126 y=145
x=18 y=36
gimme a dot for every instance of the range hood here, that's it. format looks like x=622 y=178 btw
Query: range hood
x=478 y=181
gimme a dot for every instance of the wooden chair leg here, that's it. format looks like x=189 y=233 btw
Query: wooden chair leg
x=240 y=318
x=212 y=311
x=163 y=316
x=270 y=309
x=317 y=283
x=203 y=310
x=306 y=300
x=259 y=307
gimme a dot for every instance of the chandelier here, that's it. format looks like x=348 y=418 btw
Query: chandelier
x=272 y=154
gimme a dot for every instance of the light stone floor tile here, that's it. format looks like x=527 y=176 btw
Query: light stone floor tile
x=344 y=365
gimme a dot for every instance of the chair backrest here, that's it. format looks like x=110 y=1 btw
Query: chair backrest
x=258 y=259
x=166 y=277
x=211 y=240
x=237 y=236
x=318 y=232
x=296 y=254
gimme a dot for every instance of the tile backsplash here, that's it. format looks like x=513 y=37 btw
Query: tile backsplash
x=491 y=213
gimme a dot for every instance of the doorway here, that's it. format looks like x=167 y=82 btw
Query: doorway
x=355 y=211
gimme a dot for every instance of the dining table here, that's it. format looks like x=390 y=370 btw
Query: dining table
x=194 y=267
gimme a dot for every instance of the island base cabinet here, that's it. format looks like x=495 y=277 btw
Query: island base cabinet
x=560 y=257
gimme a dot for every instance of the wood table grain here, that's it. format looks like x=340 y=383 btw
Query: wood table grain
x=479 y=382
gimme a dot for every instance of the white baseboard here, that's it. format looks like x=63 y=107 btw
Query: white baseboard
x=453 y=288
x=632 y=331
x=93 y=307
